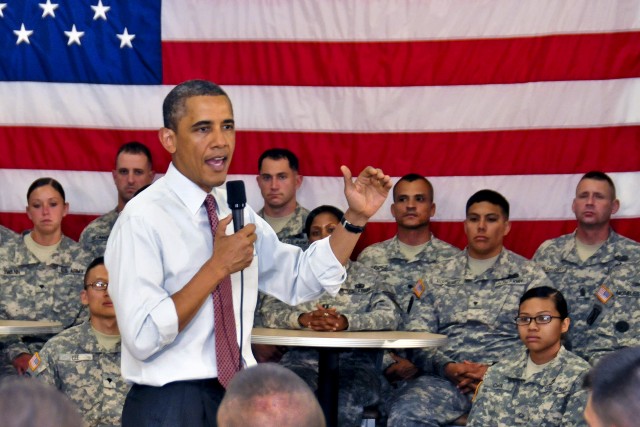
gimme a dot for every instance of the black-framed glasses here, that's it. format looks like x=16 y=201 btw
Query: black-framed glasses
x=542 y=319
x=99 y=285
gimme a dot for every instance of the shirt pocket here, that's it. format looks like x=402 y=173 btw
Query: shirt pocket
x=546 y=404
x=495 y=303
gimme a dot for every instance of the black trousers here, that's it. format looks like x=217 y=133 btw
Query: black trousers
x=182 y=403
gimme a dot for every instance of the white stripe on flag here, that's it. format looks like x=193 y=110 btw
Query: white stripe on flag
x=386 y=20
x=529 y=196
x=562 y=104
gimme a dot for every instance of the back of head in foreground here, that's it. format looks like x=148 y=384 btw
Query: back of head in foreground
x=27 y=402
x=615 y=390
x=269 y=395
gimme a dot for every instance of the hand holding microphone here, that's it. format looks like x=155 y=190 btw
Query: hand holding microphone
x=234 y=251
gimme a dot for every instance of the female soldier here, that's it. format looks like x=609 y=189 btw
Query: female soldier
x=360 y=305
x=41 y=274
x=543 y=387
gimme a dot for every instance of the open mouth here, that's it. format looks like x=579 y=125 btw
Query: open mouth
x=217 y=163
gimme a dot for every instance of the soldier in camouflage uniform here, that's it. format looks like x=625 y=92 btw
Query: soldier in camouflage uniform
x=544 y=385
x=472 y=299
x=598 y=271
x=403 y=260
x=279 y=179
x=84 y=361
x=41 y=274
x=7 y=236
x=360 y=305
x=134 y=170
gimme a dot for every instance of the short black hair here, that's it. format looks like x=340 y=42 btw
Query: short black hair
x=411 y=177
x=26 y=401
x=550 y=293
x=277 y=154
x=317 y=211
x=600 y=176
x=174 y=103
x=489 y=196
x=135 y=147
x=244 y=401
x=615 y=386
x=43 y=182
x=96 y=262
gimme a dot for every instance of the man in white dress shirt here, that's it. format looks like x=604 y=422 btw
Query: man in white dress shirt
x=164 y=263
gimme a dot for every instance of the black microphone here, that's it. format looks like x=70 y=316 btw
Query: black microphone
x=237 y=200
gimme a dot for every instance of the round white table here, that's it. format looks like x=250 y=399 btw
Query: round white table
x=329 y=346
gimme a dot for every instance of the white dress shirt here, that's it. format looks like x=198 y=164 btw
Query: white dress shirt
x=159 y=242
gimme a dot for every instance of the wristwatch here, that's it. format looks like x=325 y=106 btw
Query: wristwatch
x=351 y=228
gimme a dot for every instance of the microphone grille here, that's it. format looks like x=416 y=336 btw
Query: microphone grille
x=236 y=196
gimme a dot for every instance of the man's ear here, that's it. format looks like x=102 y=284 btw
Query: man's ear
x=167 y=139
x=615 y=207
x=84 y=298
x=507 y=228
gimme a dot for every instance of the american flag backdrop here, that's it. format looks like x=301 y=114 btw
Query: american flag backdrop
x=521 y=96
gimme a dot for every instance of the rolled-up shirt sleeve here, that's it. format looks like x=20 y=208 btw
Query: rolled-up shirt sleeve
x=146 y=314
x=293 y=275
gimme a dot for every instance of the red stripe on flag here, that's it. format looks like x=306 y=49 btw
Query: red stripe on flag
x=524 y=238
x=72 y=148
x=413 y=63
x=539 y=151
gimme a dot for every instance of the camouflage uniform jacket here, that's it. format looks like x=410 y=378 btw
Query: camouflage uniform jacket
x=553 y=397
x=616 y=266
x=293 y=231
x=95 y=235
x=32 y=290
x=367 y=306
x=7 y=236
x=400 y=274
x=293 y=234
x=475 y=313
x=76 y=364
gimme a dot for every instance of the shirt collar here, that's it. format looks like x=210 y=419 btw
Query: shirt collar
x=193 y=196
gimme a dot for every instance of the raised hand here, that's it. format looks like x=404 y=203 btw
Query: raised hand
x=366 y=193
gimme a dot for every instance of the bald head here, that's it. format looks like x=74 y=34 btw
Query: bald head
x=269 y=395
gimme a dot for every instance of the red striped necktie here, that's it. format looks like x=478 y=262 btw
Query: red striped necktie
x=227 y=351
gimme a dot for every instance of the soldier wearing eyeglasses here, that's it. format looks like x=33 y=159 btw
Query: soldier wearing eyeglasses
x=84 y=361
x=542 y=385
x=472 y=298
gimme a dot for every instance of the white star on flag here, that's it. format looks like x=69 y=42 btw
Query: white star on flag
x=48 y=8
x=125 y=38
x=100 y=11
x=74 y=36
x=2 y=6
x=23 y=35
